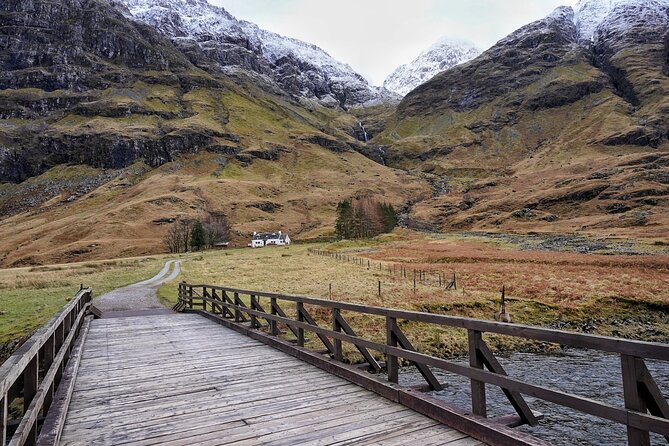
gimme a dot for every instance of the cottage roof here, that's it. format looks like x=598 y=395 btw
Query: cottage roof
x=270 y=236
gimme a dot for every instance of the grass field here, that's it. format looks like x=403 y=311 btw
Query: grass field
x=30 y=296
x=608 y=294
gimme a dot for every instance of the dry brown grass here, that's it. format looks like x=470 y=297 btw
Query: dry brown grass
x=618 y=295
x=116 y=220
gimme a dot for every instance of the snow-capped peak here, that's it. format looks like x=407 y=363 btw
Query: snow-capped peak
x=590 y=14
x=442 y=55
x=301 y=68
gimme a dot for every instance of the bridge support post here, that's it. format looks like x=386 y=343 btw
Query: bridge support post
x=254 y=306
x=274 y=329
x=300 y=318
x=30 y=385
x=3 y=419
x=479 y=406
x=49 y=355
x=336 y=326
x=641 y=395
x=391 y=340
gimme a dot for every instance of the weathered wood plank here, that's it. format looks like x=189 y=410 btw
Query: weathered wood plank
x=202 y=394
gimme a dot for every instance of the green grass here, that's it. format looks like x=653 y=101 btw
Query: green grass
x=29 y=297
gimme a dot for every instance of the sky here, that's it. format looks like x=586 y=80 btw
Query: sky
x=376 y=36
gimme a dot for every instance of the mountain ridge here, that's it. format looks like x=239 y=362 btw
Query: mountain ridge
x=301 y=68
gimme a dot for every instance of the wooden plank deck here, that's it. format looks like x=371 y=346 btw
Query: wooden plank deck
x=182 y=380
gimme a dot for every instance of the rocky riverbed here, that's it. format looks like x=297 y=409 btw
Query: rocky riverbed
x=585 y=373
x=571 y=243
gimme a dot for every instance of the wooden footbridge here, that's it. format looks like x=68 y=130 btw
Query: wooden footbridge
x=230 y=366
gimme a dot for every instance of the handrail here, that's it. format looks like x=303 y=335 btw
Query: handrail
x=35 y=369
x=641 y=391
x=648 y=350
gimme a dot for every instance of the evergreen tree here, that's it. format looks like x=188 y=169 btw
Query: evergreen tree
x=197 y=237
x=344 y=224
x=389 y=217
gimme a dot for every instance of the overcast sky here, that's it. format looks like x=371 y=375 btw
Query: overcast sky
x=376 y=36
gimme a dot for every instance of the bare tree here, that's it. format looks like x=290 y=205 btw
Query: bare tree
x=172 y=240
x=216 y=230
x=184 y=228
x=179 y=236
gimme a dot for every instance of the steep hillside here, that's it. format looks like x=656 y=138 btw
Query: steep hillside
x=560 y=126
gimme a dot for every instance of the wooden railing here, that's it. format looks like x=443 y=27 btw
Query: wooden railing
x=641 y=393
x=30 y=377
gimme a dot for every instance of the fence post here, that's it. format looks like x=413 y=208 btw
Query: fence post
x=391 y=340
x=238 y=312
x=254 y=306
x=3 y=419
x=336 y=326
x=633 y=399
x=478 y=388
x=30 y=385
x=300 y=318
x=272 y=323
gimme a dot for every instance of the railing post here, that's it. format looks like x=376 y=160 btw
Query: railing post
x=238 y=313
x=3 y=419
x=204 y=298
x=30 y=385
x=49 y=355
x=633 y=399
x=300 y=318
x=272 y=323
x=479 y=406
x=391 y=340
x=336 y=326
x=254 y=306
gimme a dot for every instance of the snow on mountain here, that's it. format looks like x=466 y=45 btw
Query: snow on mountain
x=300 y=68
x=591 y=14
x=444 y=54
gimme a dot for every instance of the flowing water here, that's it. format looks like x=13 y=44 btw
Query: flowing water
x=364 y=132
x=586 y=373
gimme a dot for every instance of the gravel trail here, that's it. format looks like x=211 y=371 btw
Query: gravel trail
x=141 y=295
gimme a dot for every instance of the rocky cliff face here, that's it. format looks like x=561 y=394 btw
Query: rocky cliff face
x=85 y=82
x=443 y=55
x=302 y=69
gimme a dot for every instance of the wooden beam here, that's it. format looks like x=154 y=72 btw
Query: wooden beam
x=422 y=368
x=633 y=399
x=643 y=349
x=363 y=351
x=311 y=321
x=391 y=359
x=515 y=398
x=479 y=406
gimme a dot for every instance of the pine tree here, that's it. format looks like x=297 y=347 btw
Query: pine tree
x=389 y=217
x=344 y=224
x=197 y=238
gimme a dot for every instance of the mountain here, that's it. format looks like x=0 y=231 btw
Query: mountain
x=110 y=130
x=444 y=54
x=561 y=126
x=300 y=68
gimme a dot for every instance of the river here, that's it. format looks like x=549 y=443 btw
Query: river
x=591 y=374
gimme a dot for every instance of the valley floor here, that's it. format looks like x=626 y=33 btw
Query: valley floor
x=610 y=287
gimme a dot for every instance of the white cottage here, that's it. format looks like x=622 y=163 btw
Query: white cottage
x=261 y=239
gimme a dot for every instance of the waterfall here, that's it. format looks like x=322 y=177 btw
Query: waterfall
x=364 y=132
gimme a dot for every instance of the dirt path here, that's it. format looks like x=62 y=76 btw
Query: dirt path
x=141 y=295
